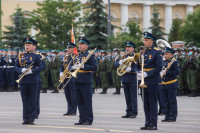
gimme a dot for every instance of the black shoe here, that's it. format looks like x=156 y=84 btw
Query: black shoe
x=152 y=128
x=170 y=120
x=31 y=123
x=25 y=122
x=65 y=114
x=118 y=93
x=126 y=116
x=160 y=113
x=44 y=91
x=87 y=123
x=114 y=93
x=132 y=116
x=72 y=114
x=165 y=120
x=36 y=117
x=79 y=123
x=143 y=128
x=55 y=91
x=103 y=92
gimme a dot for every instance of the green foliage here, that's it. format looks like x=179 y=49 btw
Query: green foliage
x=13 y=35
x=157 y=30
x=131 y=33
x=96 y=24
x=53 y=19
x=191 y=28
x=175 y=31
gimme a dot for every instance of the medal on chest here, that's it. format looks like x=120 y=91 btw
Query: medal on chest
x=149 y=56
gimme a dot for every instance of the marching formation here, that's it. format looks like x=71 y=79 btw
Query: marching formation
x=159 y=73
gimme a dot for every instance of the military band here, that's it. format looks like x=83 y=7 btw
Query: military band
x=84 y=72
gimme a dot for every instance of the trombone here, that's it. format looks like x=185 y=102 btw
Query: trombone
x=23 y=74
x=142 y=85
x=66 y=75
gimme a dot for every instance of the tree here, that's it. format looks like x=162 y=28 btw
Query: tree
x=131 y=32
x=175 y=31
x=96 y=24
x=191 y=28
x=14 y=34
x=53 y=21
x=157 y=30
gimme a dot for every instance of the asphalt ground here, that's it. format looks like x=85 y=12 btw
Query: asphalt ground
x=107 y=110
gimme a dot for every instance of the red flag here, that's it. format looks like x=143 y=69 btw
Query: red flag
x=73 y=39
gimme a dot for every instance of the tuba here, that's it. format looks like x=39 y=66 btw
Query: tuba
x=121 y=70
x=162 y=44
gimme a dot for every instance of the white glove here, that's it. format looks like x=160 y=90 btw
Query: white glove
x=75 y=67
x=140 y=75
x=61 y=74
x=121 y=61
x=82 y=66
x=23 y=70
x=29 y=72
x=128 y=69
x=10 y=60
x=145 y=75
x=161 y=73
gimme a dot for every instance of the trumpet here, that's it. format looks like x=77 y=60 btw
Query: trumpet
x=23 y=74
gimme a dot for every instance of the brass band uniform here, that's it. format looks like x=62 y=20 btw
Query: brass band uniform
x=129 y=81
x=170 y=85
x=83 y=83
x=70 y=87
x=28 y=84
x=152 y=68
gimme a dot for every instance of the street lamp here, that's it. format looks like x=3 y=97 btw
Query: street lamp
x=109 y=19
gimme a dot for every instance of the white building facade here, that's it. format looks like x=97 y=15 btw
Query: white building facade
x=122 y=10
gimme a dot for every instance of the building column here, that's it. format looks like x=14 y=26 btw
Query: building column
x=168 y=18
x=189 y=8
x=146 y=17
x=124 y=14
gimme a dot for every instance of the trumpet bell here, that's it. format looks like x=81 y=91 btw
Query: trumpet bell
x=74 y=74
x=162 y=44
x=17 y=81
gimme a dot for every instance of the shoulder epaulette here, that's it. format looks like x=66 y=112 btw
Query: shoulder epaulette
x=156 y=49
x=21 y=55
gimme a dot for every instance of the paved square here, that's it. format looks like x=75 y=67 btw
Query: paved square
x=108 y=110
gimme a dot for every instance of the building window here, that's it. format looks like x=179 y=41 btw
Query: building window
x=113 y=17
x=177 y=15
x=134 y=17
